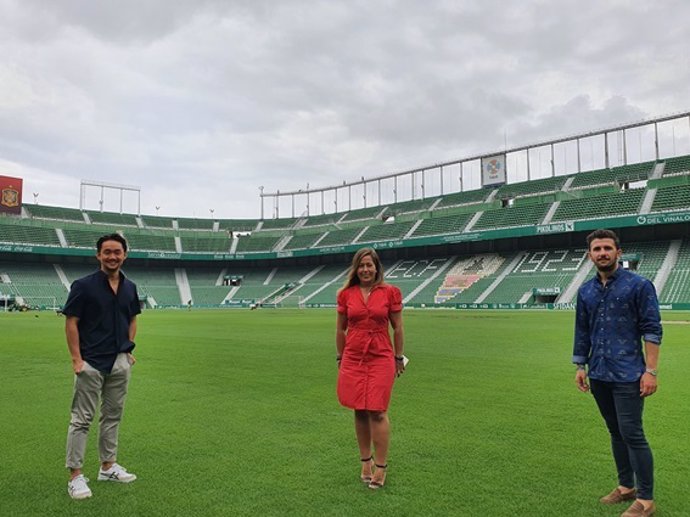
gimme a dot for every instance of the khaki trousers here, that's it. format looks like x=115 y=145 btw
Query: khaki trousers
x=89 y=386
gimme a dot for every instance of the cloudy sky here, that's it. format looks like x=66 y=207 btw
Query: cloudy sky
x=200 y=102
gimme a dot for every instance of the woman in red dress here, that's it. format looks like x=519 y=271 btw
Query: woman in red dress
x=367 y=360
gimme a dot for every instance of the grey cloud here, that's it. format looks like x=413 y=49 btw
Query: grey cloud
x=181 y=96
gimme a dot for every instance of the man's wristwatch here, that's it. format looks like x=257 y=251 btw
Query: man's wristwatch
x=580 y=366
x=651 y=371
x=400 y=358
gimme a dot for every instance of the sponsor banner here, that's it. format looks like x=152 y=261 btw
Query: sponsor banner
x=10 y=195
x=667 y=218
x=568 y=226
x=546 y=290
x=494 y=170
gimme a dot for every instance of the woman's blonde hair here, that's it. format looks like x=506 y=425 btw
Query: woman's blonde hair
x=353 y=279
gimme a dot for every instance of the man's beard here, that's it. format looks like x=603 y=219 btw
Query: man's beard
x=607 y=269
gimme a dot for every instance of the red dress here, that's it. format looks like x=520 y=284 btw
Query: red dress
x=367 y=369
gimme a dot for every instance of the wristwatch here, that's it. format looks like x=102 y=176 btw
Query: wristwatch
x=651 y=371
x=580 y=366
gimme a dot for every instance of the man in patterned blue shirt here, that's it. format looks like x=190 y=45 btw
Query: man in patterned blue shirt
x=616 y=311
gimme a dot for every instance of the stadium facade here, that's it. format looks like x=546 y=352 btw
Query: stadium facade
x=504 y=244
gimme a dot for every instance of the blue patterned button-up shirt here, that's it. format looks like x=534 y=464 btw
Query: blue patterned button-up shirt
x=610 y=323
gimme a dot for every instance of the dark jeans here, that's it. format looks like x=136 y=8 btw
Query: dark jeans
x=621 y=406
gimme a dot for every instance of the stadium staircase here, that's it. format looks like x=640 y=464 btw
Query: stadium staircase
x=677 y=287
x=650 y=195
x=62 y=276
x=183 y=285
x=570 y=292
x=669 y=263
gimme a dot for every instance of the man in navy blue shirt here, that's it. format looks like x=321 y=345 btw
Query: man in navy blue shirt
x=617 y=310
x=101 y=324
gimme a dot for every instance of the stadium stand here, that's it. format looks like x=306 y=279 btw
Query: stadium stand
x=320 y=220
x=527 y=188
x=194 y=224
x=339 y=237
x=249 y=243
x=54 y=212
x=387 y=231
x=517 y=215
x=603 y=205
x=622 y=174
x=213 y=242
x=364 y=213
x=442 y=225
x=157 y=284
x=463 y=198
x=416 y=205
x=302 y=241
x=147 y=241
x=112 y=218
x=677 y=289
x=203 y=283
x=85 y=237
x=154 y=221
x=650 y=256
x=543 y=269
x=672 y=198
x=238 y=225
x=16 y=231
x=272 y=224
x=436 y=280
x=466 y=280
x=38 y=285
x=677 y=165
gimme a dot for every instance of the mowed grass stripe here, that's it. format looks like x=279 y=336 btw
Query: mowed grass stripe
x=234 y=413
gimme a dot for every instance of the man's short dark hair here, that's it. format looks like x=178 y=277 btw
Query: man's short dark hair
x=603 y=234
x=111 y=237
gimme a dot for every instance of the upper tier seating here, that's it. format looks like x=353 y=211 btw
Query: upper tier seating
x=672 y=198
x=463 y=198
x=154 y=221
x=518 y=215
x=389 y=231
x=339 y=237
x=363 y=213
x=199 y=242
x=442 y=225
x=604 y=205
x=54 y=212
x=622 y=174
x=194 y=224
x=251 y=243
x=111 y=218
x=272 y=224
x=526 y=188
x=677 y=165
x=299 y=241
x=13 y=231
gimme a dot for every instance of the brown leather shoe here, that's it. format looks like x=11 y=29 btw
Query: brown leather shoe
x=637 y=509
x=617 y=496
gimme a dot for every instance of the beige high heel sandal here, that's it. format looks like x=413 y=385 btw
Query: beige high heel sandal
x=375 y=485
x=366 y=479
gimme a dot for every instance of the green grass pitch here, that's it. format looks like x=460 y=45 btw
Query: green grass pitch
x=234 y=413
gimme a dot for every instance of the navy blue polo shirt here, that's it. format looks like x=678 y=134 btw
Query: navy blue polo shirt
x=104 y=317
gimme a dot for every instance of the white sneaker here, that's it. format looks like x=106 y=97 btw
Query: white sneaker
x=77 y=488
x=116 y=473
